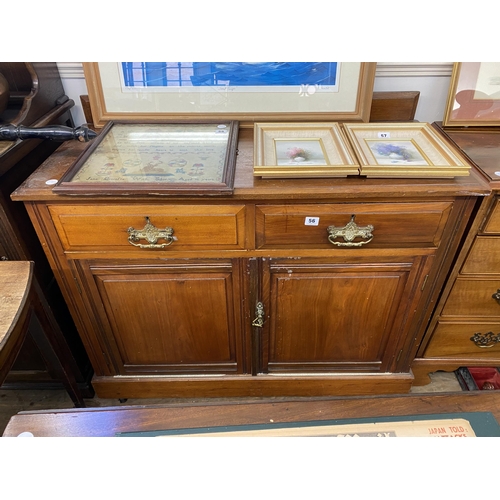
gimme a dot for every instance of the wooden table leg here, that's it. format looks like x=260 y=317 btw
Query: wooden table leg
x=53 y=347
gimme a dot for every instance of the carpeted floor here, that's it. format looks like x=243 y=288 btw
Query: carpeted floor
x=14 y=401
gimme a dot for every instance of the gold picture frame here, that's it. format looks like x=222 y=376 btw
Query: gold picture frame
x=474 y=95
x=390 y=150
x=348 y=99
x=302 y=150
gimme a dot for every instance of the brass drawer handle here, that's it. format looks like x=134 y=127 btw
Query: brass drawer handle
x=259 y=311
x=151 y=234
x=350 y=232
x=496 y=296
x=486 y=340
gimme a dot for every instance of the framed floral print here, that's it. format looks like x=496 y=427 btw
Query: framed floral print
x=404 y=150
x=302 y=150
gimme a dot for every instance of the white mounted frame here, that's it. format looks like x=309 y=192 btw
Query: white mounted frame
x=474 y=95
x=350 y=99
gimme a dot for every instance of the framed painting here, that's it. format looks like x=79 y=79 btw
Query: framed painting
x=474 y=95
x=156 y=158
x=302 y=150
x=404 y=150
x=242 y=91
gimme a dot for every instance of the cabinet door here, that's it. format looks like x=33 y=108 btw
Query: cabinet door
x=325 y=317
x=177 y=317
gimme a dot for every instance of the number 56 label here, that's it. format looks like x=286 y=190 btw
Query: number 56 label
x=311 y=221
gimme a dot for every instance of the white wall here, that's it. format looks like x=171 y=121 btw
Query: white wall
x=74 y=85
x=431 y=79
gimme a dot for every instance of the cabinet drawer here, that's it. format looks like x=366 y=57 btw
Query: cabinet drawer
x=473 y=297
x=105 y=227
x=484 y=257
x=453 y=340
x=394 y=224
x=493 y=222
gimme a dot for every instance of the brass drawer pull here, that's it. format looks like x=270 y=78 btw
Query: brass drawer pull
x=496 y=296
x=486 y=340
x=259 y=311
x=350 y=232
x=151 y=234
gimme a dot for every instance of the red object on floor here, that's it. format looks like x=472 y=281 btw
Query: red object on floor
x=486 y=378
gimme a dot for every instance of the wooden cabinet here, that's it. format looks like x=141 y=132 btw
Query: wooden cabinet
x=465 y=327
x=37 y=99
x=262 y=293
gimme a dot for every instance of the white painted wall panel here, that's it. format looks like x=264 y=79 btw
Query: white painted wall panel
x=431 y=79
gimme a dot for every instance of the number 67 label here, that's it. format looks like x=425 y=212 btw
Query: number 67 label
x=384 y=135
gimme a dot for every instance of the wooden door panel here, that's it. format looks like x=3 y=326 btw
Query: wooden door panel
x=173 y=318
x=333 y=317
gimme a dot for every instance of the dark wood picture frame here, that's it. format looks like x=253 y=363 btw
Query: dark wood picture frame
x=224 y=185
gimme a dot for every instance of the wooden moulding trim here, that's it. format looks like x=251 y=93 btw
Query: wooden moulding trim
x=252 y=386
x=454 y=361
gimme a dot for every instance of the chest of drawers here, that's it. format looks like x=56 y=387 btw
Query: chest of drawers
x=464 y=329
x=286 y=288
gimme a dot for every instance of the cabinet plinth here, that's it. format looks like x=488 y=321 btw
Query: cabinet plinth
x=255 y=294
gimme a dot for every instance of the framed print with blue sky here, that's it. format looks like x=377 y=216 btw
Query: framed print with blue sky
x=243 y=91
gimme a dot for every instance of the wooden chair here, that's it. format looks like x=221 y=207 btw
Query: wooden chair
x=394 y=106
x=18 y=300
x=15 y=284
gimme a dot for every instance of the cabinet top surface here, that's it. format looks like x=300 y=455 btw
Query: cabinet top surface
x=248 y=187
x=482 y=147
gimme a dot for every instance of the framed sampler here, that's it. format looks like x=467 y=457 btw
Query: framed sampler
x=404 y=150
x=302 y=150
x=474 y=95
x=156 y=158
x=246 y=92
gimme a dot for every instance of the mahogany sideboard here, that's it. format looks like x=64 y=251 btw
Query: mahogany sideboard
x=465 y=328
x=249 y=300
